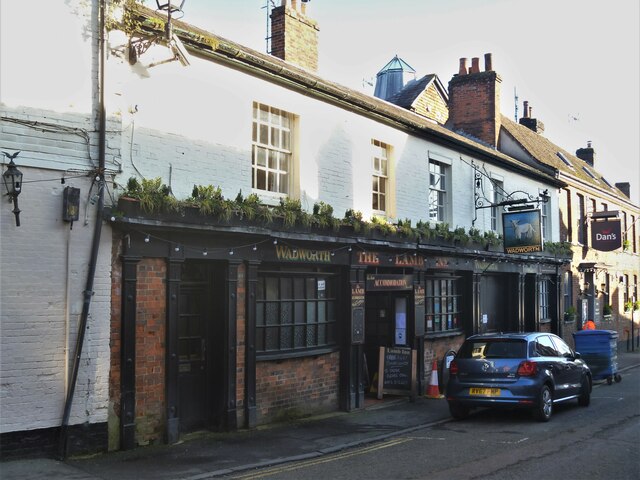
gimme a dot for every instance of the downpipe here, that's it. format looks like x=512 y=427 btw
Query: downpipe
x=97 y=231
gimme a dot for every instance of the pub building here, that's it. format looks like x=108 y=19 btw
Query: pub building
x=226 y=327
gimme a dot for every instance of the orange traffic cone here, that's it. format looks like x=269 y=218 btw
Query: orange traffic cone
x=433 y=391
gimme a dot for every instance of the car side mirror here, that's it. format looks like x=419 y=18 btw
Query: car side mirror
x=577 y=356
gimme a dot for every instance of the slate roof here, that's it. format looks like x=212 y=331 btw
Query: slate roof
x=545 y=151
x=412 y=90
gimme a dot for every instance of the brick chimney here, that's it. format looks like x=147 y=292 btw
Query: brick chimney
x=624 y=187
x=474 y=101
x=528 y=121
x=587 y=154
x=294 y=36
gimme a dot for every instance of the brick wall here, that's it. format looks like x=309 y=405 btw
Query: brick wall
x=297 y=387
x=474 y=105
x=150 y=351
x=294 y=37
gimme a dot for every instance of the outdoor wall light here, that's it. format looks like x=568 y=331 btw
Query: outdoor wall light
x=12 y=178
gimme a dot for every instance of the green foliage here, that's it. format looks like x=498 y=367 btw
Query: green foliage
x=424 y=230
x=355 y=220
x=562 y=249
x=381 y=225
x=323 y=216
x=628 y=306
x=636 y=305
x=607 y=309
x=492 y=238
x=459 y=235
x=154 y=196
x=475 y=235
x=290 y=210
x=404 y=229
x=570 y=310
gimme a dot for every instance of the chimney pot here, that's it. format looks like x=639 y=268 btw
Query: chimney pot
x=463 y=67
x=488 y=62
x=475 y=65
x=525 y=107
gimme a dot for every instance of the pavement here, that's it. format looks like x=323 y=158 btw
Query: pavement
x=208 y=455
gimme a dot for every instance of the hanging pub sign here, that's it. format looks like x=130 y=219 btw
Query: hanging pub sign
x=522 y=231
x=606 y=235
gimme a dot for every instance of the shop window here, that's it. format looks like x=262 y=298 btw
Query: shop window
x=271 y=150
x=295 y=312
x=442 y=311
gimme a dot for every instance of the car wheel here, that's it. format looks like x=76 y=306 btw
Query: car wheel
x=585 y=393
x=544 y=408
x=458 y=412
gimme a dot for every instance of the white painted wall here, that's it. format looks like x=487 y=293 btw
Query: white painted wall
x=200 y=131
x=47 y=114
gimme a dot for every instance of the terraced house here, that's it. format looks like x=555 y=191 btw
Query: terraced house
x=246 y=240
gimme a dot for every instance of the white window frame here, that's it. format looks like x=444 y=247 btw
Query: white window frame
x=380 y=177
x=497 y=196
x=272 y=156
x=545 y=218
x=441 y=194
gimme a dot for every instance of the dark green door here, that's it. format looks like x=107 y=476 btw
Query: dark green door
x=192 y=357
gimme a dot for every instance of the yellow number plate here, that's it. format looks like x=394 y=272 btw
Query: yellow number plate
x=485 y=392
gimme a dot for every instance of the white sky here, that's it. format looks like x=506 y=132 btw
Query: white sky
x=575 y=61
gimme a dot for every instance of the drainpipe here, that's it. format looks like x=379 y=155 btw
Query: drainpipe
x=88 y=291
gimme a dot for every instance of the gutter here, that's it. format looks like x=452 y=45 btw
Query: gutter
x=99 y=178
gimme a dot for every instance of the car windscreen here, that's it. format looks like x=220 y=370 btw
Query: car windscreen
x=493 y=348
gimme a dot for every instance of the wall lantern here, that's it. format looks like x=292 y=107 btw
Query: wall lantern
x=12 y=178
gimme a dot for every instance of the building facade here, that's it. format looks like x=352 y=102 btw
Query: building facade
x=227 y=288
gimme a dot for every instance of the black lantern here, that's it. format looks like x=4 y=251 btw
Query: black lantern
x=12 y=178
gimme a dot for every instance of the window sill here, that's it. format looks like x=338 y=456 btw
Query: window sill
x=446 y=334
x=270 y=356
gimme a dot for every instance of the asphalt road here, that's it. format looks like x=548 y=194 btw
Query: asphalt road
x=601 y=441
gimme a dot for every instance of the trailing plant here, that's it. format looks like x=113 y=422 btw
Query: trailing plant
x=492 y=238
x=607 y=309
x=249 y=207
x=570 y=310
x=442 y=231
x=355 y=220
x=628 y=306
x=625 y=245
x=208 y=199
x=404 y=229
x=382 y=225
x=291 y=212
x=424 y=230
x=559 y=248
x=475 y=235
x=636 y=305
x=323 y=216
x=459 y=235
x=154 y=196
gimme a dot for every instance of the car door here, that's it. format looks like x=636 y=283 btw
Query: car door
x=572 y=370
x=555 y=364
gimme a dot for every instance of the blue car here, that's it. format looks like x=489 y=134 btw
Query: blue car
x=529 y=370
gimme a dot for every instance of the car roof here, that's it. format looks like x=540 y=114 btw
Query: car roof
x=508 y=336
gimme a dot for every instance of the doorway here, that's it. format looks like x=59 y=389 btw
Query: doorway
x=199 y=323
x=386 y=325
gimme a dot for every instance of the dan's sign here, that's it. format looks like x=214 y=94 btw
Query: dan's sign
x=606 y=235
x=522 y=231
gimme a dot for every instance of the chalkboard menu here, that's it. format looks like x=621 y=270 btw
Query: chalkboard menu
x=397 y=371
